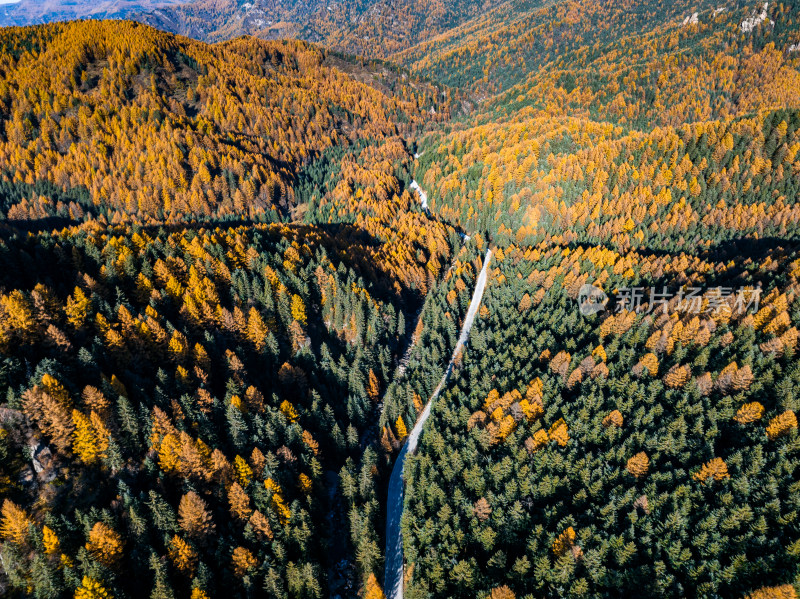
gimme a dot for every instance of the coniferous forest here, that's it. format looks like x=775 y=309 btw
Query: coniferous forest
x=234 y=272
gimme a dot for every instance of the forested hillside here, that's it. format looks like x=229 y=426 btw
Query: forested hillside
x=680 y=128
x=138 y=123
x=649 y=453
x=183 y=396
x=647 y=153
x=211 y=270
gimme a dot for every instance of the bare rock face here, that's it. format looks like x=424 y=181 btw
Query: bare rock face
x=42 y=461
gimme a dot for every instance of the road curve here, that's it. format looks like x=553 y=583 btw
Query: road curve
x=393 y=581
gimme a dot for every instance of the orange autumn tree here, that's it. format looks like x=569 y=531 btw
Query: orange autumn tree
x=194 y=516
x=105 y=544
x=638 y=465
x=15 y=523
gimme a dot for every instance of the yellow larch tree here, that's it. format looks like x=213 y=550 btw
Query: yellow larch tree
x=749 y=412
x=243 y=561
x=782 y=425
x=183 y=555
x=90 y=437
x=298 y=309
x=92 y=589
x=372 y=589
x=715 y=469
x=400 y=427
x=638 y=465
x=15 y=523
x=105 y=544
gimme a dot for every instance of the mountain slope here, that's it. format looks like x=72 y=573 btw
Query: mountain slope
x=643 y=152
x=375 y=28
x=198 y=130
x=593 y=128
x=520 y=38
x=189 y=391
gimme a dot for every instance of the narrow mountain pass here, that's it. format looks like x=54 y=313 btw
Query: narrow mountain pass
x=393 y=582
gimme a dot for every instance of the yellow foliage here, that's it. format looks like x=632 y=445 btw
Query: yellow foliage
x=599 y=353
x=558 y=432
x=782 y=424
x=614 y=418
x=15 y=523
x=256 y=329
x=715 y=469
x=289 y=411
x=91 y=589
x=91 y=438
x=278 y=504
x=298 y=309
x=638 y=465
x=749 y=412
x=564 y=542
x=50 y=541
x=77 y=308
x=400 y=427
x=243 y=560
x=243 y=471
x=19 y=312
x=677 y=376
x=502 y=592
x=104 y=543
x=183 y=556
x=533 y=410
x=539 y=439
x=650 y=363
x=785 y=591
x=169 y=452
x=373 y=589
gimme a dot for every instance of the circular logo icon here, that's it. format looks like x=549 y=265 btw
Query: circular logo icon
x=591 y=300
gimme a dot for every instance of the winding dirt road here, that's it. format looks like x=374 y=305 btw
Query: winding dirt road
x=393 y=582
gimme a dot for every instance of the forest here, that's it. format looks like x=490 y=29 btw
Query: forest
x=224 y=306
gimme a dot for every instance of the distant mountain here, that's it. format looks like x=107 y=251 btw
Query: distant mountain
x=31 y=12
x=375 y=28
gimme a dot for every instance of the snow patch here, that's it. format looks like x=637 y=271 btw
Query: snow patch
x=719 y=10
x=417 y=155
x=423 y=197
x=691 y=19
x=750 y=23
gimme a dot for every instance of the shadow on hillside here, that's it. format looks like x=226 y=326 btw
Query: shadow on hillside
x=738 y=248
x=27 y=257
